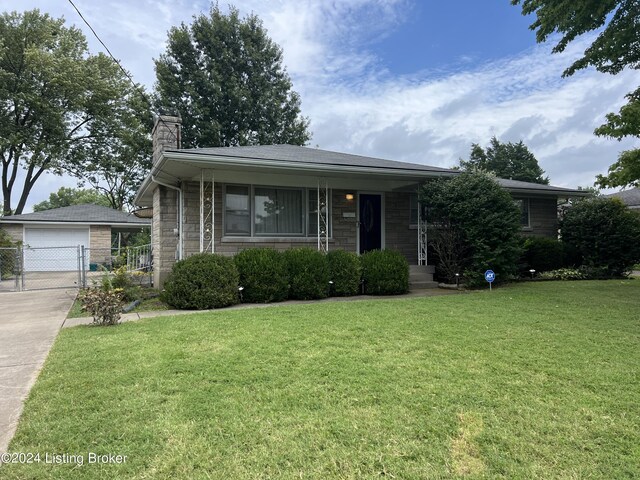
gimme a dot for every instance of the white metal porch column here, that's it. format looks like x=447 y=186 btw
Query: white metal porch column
x=422 y=236
x=207 y=214
x=323 y=212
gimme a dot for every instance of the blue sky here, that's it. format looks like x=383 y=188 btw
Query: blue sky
x=408 y=80
x=454 y=34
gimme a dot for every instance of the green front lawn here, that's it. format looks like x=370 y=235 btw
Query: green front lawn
x=535 y=380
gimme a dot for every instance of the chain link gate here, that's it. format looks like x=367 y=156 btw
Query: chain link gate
x=51 y=267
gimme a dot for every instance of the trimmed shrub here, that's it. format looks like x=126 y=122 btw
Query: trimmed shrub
x=477 y=226
x=605 y=233
x=201 y=282
x=542 y=254
x=308 y=273
x=345 y=273
x=385 y=272
x=263 y=274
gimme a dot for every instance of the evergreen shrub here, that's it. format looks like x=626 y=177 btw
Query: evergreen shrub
x=202 y=282
x=385 y=272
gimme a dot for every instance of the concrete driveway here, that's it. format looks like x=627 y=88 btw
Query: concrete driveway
x=29 y=323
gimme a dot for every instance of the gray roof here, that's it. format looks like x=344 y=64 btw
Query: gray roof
x=87 y=213
x=294 y=153
x=518 y=185
x=629 y=197
x=306 y=155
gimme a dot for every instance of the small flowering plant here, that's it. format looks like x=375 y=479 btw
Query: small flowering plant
x=104 y=305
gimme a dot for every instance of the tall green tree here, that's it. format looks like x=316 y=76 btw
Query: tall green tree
x=616 y=47
x=475 y=226
x=224 y=76
x=66 y=197
x=120 y=156
x=505 y=160
x=60 y=107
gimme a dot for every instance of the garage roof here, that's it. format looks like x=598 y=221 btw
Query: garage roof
x=85 y=214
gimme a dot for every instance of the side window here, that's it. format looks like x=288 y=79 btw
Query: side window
x=237 y=217
x=523 y=204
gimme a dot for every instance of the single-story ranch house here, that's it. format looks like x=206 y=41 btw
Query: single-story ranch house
x=88 y=225
x=224 y=200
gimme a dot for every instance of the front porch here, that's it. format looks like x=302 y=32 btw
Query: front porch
x=225 y=212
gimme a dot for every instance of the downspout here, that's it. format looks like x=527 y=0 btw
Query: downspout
x=180 y=203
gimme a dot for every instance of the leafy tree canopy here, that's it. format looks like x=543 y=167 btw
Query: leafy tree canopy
x=61 y=109
x=505 y=160
x=616 y=47
x=65 y=197
x=224 y=76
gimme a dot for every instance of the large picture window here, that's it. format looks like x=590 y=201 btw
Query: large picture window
x=263 y=211
x=278 y=211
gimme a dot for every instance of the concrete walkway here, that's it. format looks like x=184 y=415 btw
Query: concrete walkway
x=128 y=317
x=29 y=323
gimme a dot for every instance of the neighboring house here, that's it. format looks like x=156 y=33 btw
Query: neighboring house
x=88 y=225
x=631 y=198
x=224 y=200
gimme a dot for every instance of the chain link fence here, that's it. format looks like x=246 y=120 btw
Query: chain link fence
x=68 y=267
x=10 y=268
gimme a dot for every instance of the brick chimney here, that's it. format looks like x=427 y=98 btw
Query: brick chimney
x=165 y=135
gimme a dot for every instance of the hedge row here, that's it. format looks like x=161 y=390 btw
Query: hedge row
x=262 y=275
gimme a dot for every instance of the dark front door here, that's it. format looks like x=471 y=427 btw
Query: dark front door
x=370 y=222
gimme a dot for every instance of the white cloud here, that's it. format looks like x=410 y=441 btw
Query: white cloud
x=356 y=105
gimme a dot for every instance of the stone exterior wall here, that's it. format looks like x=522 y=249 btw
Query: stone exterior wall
x=345 y=229
x=15 y=231
x=398 y=233
x=164 y=239
x=165 y=135
x=543 y=218
x=99 y=243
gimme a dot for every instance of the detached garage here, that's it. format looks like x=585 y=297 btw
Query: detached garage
x=51 y=238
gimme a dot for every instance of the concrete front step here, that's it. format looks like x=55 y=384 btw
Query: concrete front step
x=421 y=276
x=422 y=285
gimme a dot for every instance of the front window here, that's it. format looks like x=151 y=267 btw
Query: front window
x=278 y=211
x=263 y=211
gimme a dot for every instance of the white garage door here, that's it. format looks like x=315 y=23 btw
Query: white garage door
x=53 y=249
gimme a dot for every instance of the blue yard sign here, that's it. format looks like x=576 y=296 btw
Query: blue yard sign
x=489 y=276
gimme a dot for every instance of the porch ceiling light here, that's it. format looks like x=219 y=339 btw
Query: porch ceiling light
x=349 y=196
